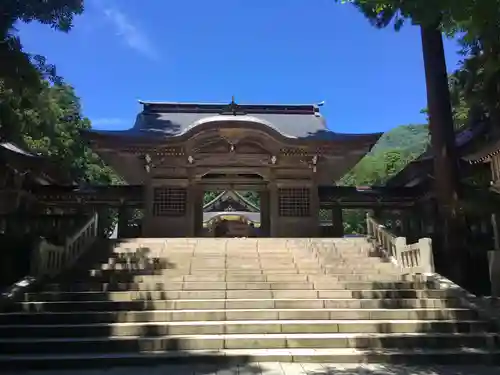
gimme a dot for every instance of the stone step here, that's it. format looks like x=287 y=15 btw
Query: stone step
x=169 y=285
x=262 y=290
x=149 y=286
x=227 y=357
x=207 y=270
x=280 y=310
x=177 y=272
x=162 y=278
x=186 y=268
x=126 y=264
x=375 y=279
x=158 y=328
x=128 y=344
x=287 y=302
x=273 y=252
x=379 y=268
x=275 y=299
x=303 y=255
x=155 y=295
x=366 y=263
x=246 y=253
x=87 y=302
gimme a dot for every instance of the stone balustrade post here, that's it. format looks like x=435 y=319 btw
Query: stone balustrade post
x=399 y=247
x=426 y=256
x=494 y=268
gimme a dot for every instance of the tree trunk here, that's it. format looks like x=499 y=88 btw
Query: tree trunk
x=446 y=163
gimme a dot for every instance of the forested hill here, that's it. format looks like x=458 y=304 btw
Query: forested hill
x=393 y=152
x=413 y=138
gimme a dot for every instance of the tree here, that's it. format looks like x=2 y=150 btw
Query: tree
x=53 y=128
x=433 y=17
x=22 y=75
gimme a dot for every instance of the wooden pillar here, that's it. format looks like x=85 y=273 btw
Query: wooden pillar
x=197 y=194
x=122 y=222
x=315 y=228
x=194 y=218
x=265 y=213
x=337 y=222
x=273 y=209
x=102 y=220
x=148 y=198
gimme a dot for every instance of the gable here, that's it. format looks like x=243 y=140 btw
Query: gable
x=229 y=201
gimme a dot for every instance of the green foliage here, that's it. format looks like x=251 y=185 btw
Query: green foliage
x=252 y=196
x=411 y=138
x=23 y=76
x=475 y=86
x=354 y=221
x=36 y=108
x=20 y=68
x=391 y=154
x=51 y=126
x=210 y=195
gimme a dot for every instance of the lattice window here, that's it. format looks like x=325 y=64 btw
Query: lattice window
x=294 y=202
x=169 y=201
x=325 y=216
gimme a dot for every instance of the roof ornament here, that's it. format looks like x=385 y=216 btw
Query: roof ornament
x=233 y=109
x=148 y=162
x=314 y=162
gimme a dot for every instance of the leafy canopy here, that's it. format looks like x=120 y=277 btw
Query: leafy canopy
x=23 y=76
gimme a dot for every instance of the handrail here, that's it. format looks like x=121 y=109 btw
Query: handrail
x=50 y=260
x=413 y=258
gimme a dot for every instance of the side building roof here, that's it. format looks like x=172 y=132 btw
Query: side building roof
x=41 y=168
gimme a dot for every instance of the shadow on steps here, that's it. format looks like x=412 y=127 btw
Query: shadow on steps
x=438 y=325
x=102 y=346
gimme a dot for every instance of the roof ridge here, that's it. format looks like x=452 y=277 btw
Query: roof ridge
x=166 y=107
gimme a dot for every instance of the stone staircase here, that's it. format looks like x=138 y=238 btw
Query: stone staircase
x=304 y=300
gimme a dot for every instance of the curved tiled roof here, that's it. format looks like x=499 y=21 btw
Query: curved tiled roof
x=176 y=119
x=176 y=124
x=489 y=150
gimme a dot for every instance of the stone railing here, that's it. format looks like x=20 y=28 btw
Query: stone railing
x=494 y=265
x=49 y=260
x=412 y=258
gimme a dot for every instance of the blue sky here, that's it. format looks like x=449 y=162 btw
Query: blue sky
x=260 y=51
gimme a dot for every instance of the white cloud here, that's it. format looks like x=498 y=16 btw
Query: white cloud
x=131 y=33
x=107 y=121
